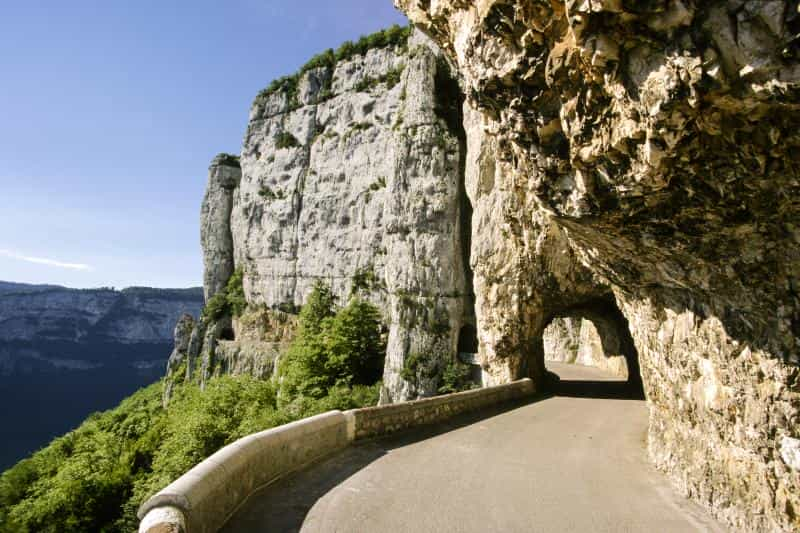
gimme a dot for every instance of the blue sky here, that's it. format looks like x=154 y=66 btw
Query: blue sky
x=110 y=112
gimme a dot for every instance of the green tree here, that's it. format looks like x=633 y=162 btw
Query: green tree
x=317 y=308
x=456 y=377
x=332 y=349
x=353 y=343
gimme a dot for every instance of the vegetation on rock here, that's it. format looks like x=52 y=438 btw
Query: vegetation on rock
x=365 y=278
x=286 y=140
x=391 y=78
x=230 y=301
x=333 y=348
x=95 y=477
x=392 y=36
x=225 y=159
x=271 y=194
x=456 y=377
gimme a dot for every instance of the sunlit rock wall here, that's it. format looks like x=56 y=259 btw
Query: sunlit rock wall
x=647 y=150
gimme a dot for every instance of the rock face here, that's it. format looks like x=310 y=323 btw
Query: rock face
x=355 y=177
x=644 y=154
x=182 y=337
x=224 y=175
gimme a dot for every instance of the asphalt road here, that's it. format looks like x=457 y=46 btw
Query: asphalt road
x=572 y=462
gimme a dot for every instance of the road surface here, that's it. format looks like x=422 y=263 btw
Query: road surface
x=564 y=463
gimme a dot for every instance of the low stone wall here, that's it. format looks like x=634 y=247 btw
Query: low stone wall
x=370 y=422
x=205 y=497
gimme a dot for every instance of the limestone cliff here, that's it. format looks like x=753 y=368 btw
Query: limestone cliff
x=224 y=176
x=645 y=154
x=350 y=173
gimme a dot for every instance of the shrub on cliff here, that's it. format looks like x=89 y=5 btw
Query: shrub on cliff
x=456 y=377
x=344 y=348
x=229 y=301
x=286 y=140
x=392 y=36
x=235 y=293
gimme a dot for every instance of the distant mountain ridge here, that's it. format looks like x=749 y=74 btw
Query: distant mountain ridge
x=67 y=352
x=131 y=315
x=11 y=286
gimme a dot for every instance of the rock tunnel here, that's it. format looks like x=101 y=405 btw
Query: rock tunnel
x=593 y=333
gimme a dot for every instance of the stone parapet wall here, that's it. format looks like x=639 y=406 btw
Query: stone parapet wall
x=370 y=422
x=205 y=497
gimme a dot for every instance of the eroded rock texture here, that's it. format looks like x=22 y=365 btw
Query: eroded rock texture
x=181 y=337
x=255 y=343
x=644 y=153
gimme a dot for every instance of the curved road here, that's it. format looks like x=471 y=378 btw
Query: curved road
x=565 y=463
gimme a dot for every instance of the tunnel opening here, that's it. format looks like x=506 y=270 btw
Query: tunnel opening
x=468 y=339
x=227 y=334
x=587 y=351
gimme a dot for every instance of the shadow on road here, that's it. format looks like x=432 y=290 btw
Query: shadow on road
x=585 y=387
x=605 y=390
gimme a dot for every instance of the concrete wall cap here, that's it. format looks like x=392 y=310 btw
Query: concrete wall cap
x=163 y=500
x=163 y=520
x=524 y=384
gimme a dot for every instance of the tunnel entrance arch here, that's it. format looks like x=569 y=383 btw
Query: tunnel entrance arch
x=593 y=333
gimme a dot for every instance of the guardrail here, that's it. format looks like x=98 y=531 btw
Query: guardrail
x=205 y=497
